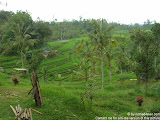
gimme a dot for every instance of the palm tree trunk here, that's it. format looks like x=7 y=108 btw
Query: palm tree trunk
x=110 y=72
x=102 y=70
x=138 y=80
x=61 y=34
x=146 y=85
x=86 y=76
x=22 y=58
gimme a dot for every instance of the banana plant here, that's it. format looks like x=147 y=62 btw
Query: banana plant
x=84 y=49
x=84 y=68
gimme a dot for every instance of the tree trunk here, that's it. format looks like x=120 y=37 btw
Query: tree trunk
x=89 y=72
x=45 y=74
x=22 y=58
x=146 y=85
x=61 y=34
x=138 y=80
x=121 y=71
x=23 y=72
x=60 y=80
x=86 y=77
x=102 y=70
x=110 y=72
x=37 y=91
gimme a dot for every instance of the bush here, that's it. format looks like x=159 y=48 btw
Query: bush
x=154 y=92
x=155 y=108
x=35 y=60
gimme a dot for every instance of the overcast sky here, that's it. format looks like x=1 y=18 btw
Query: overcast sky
x=123 y=11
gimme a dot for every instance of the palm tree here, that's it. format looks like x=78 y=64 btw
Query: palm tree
x=101 y=39
x=19 y=33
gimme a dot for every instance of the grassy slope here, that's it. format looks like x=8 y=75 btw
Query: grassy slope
x=63 y=102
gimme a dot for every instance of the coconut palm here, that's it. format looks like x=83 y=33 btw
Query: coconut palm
x=101 y=40
x=19 y=33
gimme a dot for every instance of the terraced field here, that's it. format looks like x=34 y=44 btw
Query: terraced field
x=61 y=64
x=9 y=62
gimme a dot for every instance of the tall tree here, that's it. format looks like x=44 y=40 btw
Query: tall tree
x=43 y=30
x=25 y=34
x=5 y=16
x=122 y=54
x=156 y=31
x=109 y=48
x=100 y=38
x=147 y=49
x=18 y=31
x=34 y=60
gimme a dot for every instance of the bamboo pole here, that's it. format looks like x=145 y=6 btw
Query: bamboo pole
x=36 y=111
x=17 y=109
x=26 y=117
x=24 y=114
x=30 y=113
x=13 y=110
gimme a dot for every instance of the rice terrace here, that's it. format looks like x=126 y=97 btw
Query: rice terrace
x=83 y=69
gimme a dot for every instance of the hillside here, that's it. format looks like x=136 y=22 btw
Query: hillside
x=64 y=102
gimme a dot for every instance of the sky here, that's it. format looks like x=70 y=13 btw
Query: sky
x=122 y=11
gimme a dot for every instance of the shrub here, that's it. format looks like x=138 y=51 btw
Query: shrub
x=155 y=108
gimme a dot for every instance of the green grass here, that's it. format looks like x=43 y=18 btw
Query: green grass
x=54 y=44
x=8 y=58
x=63 y=102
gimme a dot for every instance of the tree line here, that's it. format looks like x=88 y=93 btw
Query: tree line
x=137 y=52
x=75 y=28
